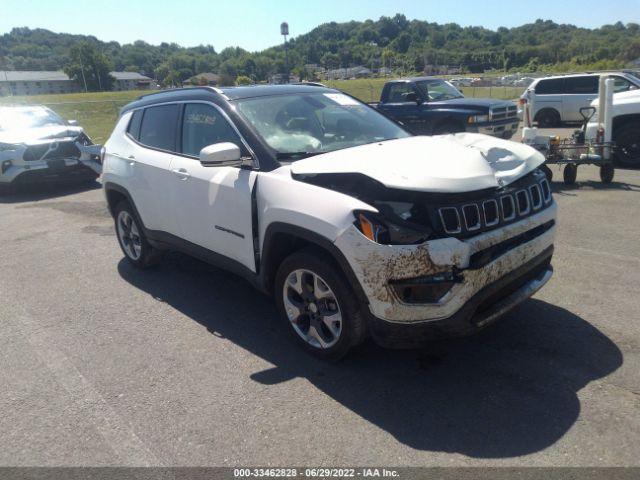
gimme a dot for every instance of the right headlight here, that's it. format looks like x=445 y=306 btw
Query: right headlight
x=388 y=228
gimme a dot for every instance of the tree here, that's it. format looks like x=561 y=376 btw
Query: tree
x=89 y=67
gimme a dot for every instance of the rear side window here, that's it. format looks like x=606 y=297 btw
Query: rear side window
x=204 y=125
x=398 y=92
x=550 y=86
x=582 y=84
x=134 y=124
x=158 y=129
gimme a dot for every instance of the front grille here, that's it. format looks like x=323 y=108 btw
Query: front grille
x=51 y=151
x=503 y=113
x=513 y=203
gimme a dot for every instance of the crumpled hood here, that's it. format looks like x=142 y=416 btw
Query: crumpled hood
x=38 y=135
x=460 y=162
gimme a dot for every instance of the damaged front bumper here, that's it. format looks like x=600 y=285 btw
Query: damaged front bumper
x=17 y=167
x=475 y=280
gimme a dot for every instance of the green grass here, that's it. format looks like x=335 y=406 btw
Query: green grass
x=98 y=112
x=95 y=112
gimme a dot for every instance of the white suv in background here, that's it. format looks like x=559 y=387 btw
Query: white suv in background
x=560 y=98
x=356 y=227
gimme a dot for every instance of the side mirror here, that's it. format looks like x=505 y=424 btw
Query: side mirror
x=225 y=154
x=73 y=123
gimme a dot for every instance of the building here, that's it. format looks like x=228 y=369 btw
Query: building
x=35 y=83
x=347 y=73
x=131 y=81
x=40 y=83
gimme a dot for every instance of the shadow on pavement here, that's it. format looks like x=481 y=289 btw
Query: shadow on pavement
x=510 y=390
x=43 y=191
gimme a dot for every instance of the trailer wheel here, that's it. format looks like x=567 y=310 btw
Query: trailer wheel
x=570 y=173
x=606 y=172
x=547 y=171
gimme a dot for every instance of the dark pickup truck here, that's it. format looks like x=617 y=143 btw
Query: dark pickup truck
x=431 y=106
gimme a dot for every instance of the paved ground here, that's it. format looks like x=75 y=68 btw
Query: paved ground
x=101 y=364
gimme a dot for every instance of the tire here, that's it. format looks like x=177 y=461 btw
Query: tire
x=627 y=152
x=547 y=171
x=307 y=285
x=606 y=173
x=548 y=118
x=132 y=239
x=569 y=174
x=448 y=127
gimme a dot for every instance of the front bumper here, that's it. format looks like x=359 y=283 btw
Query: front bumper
x=503 y=129
x=14 y=169
x=377 y=267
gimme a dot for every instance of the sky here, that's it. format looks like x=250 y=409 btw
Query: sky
x=255 y=24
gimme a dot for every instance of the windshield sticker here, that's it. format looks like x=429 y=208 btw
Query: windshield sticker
x=341 y=99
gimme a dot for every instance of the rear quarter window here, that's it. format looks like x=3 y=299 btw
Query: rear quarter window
x=134 y=125
x=550 y=86
x=582 y=85
x=158 y=128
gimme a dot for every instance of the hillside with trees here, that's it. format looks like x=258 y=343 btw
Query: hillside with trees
x=403 y=45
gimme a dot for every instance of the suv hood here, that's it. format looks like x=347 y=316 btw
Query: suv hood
x=460 y=162
x=37 y=135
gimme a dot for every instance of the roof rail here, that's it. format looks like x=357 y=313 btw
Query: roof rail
x=217 y=90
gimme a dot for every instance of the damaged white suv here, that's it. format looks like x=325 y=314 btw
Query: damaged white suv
x=356 y=227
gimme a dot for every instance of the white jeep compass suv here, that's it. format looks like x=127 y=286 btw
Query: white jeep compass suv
x=356 y=227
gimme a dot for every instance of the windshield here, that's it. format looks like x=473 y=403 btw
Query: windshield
x=435 y=89
x=19 y=118
x=300 y=125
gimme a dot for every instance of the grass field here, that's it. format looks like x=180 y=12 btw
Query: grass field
x=98 y=112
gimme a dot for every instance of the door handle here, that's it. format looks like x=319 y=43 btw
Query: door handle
x=182 y=173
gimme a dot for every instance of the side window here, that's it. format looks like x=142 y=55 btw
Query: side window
x=134 y=125
x=158 y=129
x=582 y=85
x=204 y=125
x=622 y=85
x=398 y=92
x=550 y=86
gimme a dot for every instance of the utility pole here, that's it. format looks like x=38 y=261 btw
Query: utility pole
x=284 y=31
x=84 y=80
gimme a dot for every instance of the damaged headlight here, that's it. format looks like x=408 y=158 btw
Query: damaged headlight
x=390 y=226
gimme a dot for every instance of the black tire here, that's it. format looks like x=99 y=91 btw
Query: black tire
x=132 y=239
x=448 y=127
x=627 y=151
x=296 y=292
x=547 y=171
x=570 y=173
x=548 y=118
x=606 y=173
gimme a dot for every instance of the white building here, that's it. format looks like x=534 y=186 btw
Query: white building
x=40 y=83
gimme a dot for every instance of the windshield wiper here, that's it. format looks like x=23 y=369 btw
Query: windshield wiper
x=296 y=155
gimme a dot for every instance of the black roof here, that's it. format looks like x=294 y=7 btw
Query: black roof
x=224 y=93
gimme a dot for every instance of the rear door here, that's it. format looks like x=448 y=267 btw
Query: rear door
x=150 y=144
x=549 y=94
x=580 y=92
x=213 y=204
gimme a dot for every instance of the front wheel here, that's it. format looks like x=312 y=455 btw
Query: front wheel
x=570 y=173
x=606 y=173
x=317 y=305
x=627 y=140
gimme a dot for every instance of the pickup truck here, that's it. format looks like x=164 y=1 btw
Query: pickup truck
x=431 y=106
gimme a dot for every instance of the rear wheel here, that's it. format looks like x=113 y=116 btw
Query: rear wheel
x=547 y=171
x=132 y=239
x=627 y=140
x=606 y=173
x=317 y=305
x=548 y=118
x=569 y=174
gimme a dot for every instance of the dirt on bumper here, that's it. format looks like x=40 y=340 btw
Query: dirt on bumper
x=375 y=266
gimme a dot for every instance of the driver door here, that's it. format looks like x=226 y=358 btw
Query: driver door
x=213 y=204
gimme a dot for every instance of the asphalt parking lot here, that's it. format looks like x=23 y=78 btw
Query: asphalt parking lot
x=102 y=364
